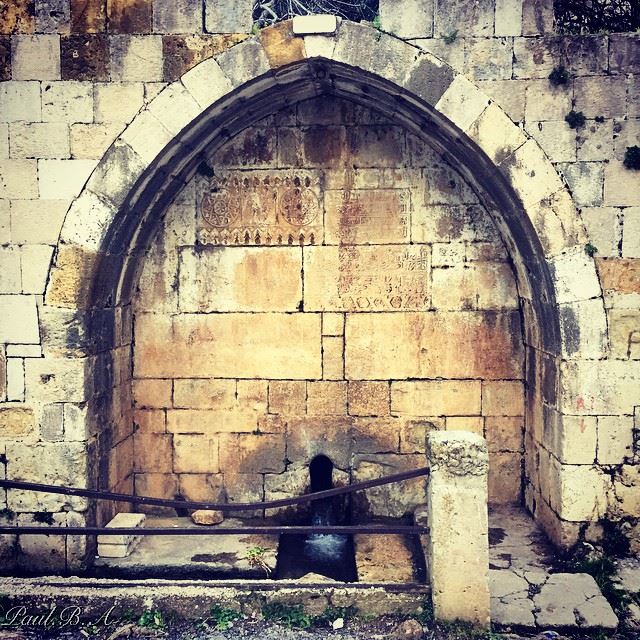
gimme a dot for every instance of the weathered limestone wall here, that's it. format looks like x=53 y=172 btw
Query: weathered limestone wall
x=336 y=288
x=73 y=75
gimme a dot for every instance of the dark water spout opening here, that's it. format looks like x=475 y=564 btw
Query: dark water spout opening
x=329 y=555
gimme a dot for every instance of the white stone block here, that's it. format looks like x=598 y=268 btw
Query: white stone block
x=123 y=521
x=462 y=103
x=4 y=140
x=173 y=16
x=556 y=139
x=583 y=327
x=314 y=24
x=37 y=221
x=5 y=222
x=578 y=440
x=51 y=380
x=20 y=101
x=319 y=46
x=615 y=439
x=206 y=82
x=228 y=16
x=175 y=107
x=604 y=229
x=585 y=179
x=575 y=276
x=407 y=18
x=35 y=57
x=24 y=351
x=631 y=233
x=135 y=58
x=146 y=136
x=39 y=140
x=118 y=101
x=15 y=380
x=18 y=179
x=18 y=320
x=67 y=101
x=10 y=281
x=91 y=217
x=35 y=260
x=508 y=18
x=496 y=134
x=621 y=185
x=63 y=179
x=90 y=141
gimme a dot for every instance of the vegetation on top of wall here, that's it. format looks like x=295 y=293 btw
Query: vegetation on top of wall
x=267 y=12
x=596 y=16
x=632 y=158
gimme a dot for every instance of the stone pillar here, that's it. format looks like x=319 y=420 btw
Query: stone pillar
x=458 y=549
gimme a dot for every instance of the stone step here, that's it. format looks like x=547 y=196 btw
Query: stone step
x=388 y=558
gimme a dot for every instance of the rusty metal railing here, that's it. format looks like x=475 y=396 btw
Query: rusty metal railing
x=227 y=507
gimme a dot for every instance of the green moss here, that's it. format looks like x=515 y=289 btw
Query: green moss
x=559 y=76
x=632 y=158
x=222 y=617
x=451 y=37
x=290 y=616
x=590 y=249
x=575 y=119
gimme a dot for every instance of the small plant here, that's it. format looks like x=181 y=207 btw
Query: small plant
x=377 y=24
x=451 y=37
x=255 y=29
x=590 y=249
x=152 y=619
x=330 y=614
x=632 y=158
x=255 y=558
x=222 y=617
x=7 y=513
x=599 y=119
x=425 y=617
x=292 y=617
x=559 y=76
x=575 y=119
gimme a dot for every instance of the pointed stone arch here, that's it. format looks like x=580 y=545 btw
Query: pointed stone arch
x=109 y=226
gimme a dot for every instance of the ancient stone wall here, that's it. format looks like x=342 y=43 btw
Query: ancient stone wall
x=74 y=74
x=335 y=288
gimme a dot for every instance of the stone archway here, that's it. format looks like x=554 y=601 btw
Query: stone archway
x=84 y=317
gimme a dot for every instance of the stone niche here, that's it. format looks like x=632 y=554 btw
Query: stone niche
x=326 y=285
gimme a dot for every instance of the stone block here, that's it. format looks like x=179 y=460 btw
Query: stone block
x=462 y=103
x=175 y=108
x=473 y=424
x=56 y=379
x=407 y=18
x=366 y=278
x=156 y=485
x=137 y=57
x=333 y=358
x=477 y=345
x=537 y=17
x=238 y=420
x=503 y=398
x=18 y=179
x=39 y=140
x=314 y=24
x=16 y=422
x=123 y=521
x=204 y=394
x=354 y=217
x=482 y=285
x=88 y=16
x=277 y=346
x=195 y=453
x=35 y=57
x=508 y=18
x=118 y=101
x=578 y=439
x=20 y=101
x=621 y=185
x=575 y=276
x=67 y=101
x=63 y=179
x=332 y=324
x=287 y=397
x=505 y=478
x=149 y=420
x=579 y=492
x=545 y=102
x=35 y=262
x=90 y=141
x=244 y=62
x=583 y=328
x=505 y=433
x=183 y=52
x=146 y=136
x=17 y=17
x=4 y=141
x=602 y=96
x=281 y=46
x=18 y=320
x=207 y=83
x=131 y=17
x=585 y=180
x=496 y=134
x=249 y=453
x=436 y=398
x=243 y=487
x=15 y=380
x=151 y=394
x=470 y=20
x=488 y=58
x=5 y=222
x=308 y=437
x=53 y=16
x=368 y=398
x=451 y=224
x=623 y=53
x=603 y=225
x=240 y=279
x=615 y=439
x=10 y=275
x=458 y=564
x=624 y=333
x=200 y=487
x=619 y=275
x=376 y=435
x=595 y=141
x=327 y=398
x=555 y=138
x=228 y=16
x=5 y=57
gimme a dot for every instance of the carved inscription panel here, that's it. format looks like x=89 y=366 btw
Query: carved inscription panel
x=260 y=208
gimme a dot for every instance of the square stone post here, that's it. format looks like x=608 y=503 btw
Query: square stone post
x=458 y=547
